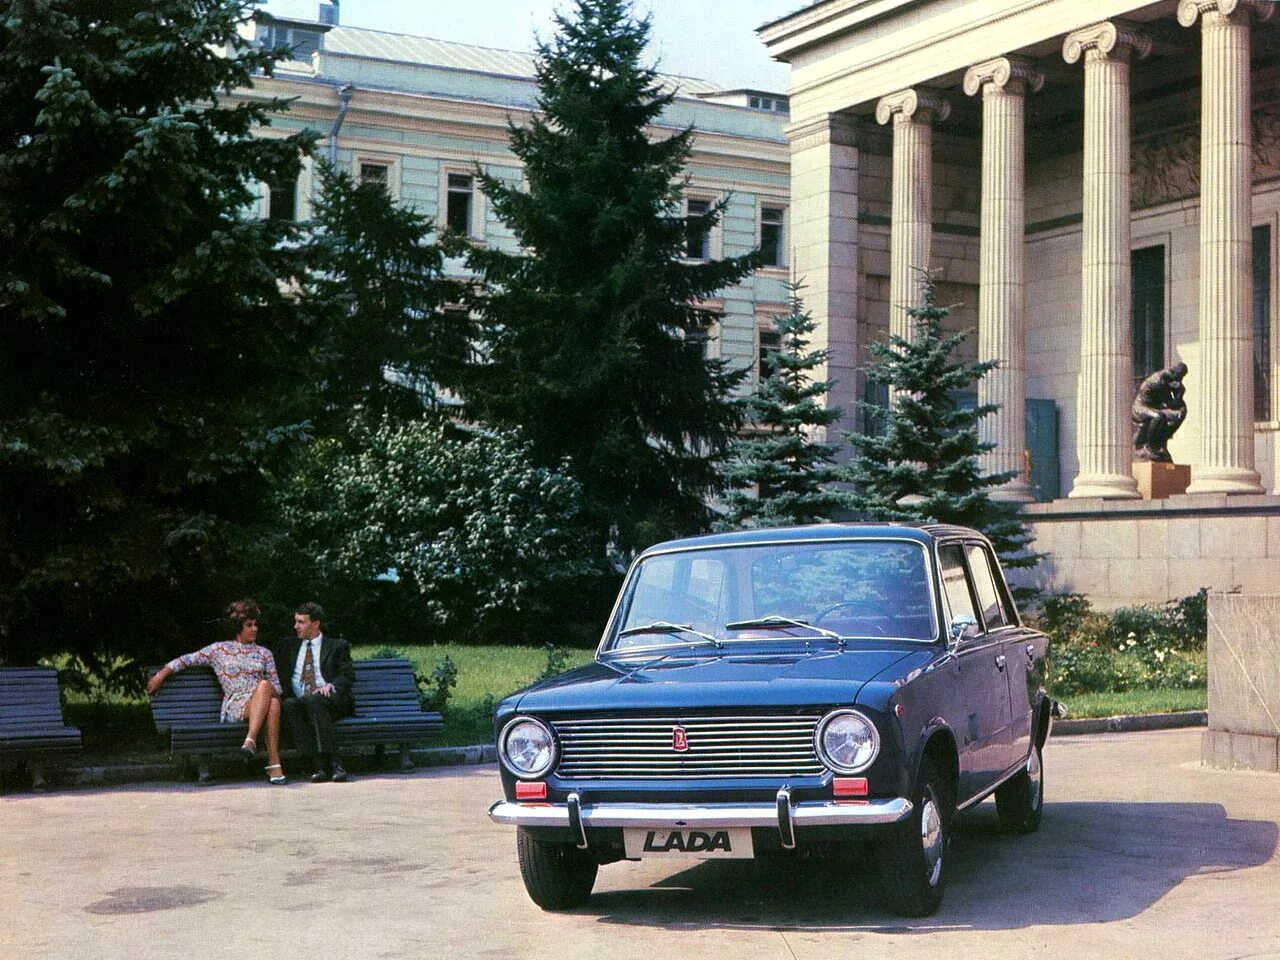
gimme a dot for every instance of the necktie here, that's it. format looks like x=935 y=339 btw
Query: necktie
x=308 y=672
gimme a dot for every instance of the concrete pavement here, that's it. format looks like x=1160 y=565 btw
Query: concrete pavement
x=1143 y=853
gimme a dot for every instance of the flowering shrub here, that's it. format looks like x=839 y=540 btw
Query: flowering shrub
x=1131 y=648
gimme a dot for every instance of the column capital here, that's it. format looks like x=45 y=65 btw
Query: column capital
x=911 y=101
x=1000 y=72
x=1191 y=10
x=1105 y=39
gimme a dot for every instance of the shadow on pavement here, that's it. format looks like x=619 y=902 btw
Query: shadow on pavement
x=1090 y=863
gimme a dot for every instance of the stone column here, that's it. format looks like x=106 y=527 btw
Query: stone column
x=913 y=112
x=1226 y=247
x=1104 y=441
x=1002 y=330
x=824 y=249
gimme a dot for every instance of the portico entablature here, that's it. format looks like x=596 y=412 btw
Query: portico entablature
x=846 y=53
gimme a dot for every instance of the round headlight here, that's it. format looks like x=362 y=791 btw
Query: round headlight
x=527 y=747
x=846 y=741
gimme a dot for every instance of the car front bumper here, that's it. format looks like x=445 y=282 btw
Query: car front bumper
x=784 y=815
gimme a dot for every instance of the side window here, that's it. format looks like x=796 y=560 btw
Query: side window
x=954 y=582
x=993 y=613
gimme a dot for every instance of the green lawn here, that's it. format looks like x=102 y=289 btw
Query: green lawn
x=1134 y=702
x=485 y=676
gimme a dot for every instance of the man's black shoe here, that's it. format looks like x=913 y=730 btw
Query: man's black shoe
x=321 y=773
x=340 y=774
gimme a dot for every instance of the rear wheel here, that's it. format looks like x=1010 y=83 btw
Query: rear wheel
x=912 y=853
x=557 y=876
x=1020 y=800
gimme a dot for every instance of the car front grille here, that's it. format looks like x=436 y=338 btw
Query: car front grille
x=644 y=747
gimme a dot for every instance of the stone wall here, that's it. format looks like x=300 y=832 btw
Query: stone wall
x=1244 y=682
x=1146 y=551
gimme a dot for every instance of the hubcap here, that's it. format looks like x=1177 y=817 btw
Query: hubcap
x=931 y=838
x=1035 y=773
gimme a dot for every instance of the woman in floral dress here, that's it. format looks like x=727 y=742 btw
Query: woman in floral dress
x=250 y=685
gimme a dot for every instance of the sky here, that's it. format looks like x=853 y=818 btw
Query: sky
x=710 y=39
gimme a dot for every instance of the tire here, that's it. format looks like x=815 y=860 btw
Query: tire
x=1020 y=800
x=557 y=876
x=912 y=853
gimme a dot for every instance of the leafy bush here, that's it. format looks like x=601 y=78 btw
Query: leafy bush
x=437 y=688
x=1131 y=648
x=557 y=661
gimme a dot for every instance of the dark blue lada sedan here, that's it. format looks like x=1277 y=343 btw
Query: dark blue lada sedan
x=783 y=692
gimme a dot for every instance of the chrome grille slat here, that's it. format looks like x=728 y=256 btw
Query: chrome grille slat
x=720 y=747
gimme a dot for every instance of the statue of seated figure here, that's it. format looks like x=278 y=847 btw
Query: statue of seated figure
x=1158 y=412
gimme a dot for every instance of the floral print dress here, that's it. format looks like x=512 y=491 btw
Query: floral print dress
x=239 y=667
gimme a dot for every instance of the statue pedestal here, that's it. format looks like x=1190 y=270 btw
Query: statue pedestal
x=1159 y=480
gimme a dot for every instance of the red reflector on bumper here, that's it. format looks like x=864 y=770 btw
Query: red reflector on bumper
x=531 y=791
x=849 y=786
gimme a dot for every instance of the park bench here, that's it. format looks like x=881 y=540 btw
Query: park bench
x=387 y=711
x=31 y=724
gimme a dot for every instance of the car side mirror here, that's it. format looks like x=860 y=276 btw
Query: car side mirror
x=963 y=626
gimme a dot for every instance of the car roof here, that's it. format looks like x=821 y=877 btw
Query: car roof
x=926 y=533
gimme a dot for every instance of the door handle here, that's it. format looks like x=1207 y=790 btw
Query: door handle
x=1000 y=661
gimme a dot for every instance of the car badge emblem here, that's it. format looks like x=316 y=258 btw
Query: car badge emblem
x=679 y=740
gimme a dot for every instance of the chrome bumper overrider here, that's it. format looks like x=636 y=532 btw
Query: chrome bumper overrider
x=783 y=815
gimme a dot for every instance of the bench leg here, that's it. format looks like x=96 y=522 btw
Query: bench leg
x=406 y=761
x=204 y=776
x=38 y=781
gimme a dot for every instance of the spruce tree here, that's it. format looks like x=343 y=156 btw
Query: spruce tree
x=924 y=466
x=150 y=369
x=778 y=474
x=594 y=338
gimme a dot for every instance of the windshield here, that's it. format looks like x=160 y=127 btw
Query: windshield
x=788 y=592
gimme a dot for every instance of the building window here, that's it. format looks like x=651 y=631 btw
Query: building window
x=282 y=199
x=1147 y=265
x=771 y=235
x=376 y=173
x=770 y=346
x=460 y=203
x=1262 y=323
x=697 y=230
x=299 y=41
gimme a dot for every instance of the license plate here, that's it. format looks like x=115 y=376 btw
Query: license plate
x=703 y=844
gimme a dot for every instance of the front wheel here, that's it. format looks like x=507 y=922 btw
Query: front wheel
x=912 y=852
x=1020 y=800
x=557 y=876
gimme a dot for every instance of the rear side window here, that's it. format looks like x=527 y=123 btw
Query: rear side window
x=993 y=612
x=954 y=582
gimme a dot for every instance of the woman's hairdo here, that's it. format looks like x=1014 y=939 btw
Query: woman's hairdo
x=240 y=612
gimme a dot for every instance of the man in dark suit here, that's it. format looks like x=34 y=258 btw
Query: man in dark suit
x=317 y=676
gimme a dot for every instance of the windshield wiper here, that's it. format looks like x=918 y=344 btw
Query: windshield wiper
x=663 y=626
x=774 y=620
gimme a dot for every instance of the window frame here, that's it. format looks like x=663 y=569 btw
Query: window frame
x=784 y=231
x=1270 y=221
x=392 y=164
x=476 y=214
x=713 y=234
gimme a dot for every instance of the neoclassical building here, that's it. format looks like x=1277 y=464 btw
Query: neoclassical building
x=1097 y=184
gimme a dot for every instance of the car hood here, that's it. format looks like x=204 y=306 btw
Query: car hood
x=710 y=680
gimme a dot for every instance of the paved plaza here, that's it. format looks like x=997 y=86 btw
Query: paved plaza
x=1143 y=853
